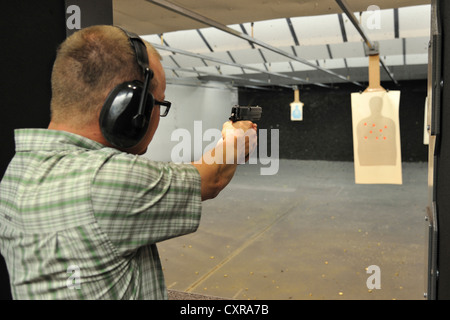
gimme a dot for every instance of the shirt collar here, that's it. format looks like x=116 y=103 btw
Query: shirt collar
x=45 y=139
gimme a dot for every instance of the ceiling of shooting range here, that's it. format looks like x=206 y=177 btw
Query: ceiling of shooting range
x=295 y=41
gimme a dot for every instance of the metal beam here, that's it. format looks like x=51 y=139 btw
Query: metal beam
x=344 y=6
x=229 y=78
x=195 y=16
x=233 y=64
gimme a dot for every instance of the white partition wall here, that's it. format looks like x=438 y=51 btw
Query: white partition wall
x=209 y=105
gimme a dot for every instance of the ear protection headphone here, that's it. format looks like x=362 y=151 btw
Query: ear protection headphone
x=125 y=115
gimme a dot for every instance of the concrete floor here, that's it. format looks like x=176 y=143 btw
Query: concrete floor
x=308 y=232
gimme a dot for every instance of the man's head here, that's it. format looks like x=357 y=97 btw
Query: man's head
x=88 y=65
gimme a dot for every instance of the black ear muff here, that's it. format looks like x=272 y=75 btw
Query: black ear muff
x=122 y=121
x=125 y=115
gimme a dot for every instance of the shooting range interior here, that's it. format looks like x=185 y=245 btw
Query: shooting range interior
x=307 y=231
x=339 y=184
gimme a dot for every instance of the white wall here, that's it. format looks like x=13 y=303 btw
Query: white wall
x=210 y=103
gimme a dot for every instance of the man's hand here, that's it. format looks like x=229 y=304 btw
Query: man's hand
x=236 y=135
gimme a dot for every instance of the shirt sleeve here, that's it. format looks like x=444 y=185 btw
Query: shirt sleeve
x=138 y=202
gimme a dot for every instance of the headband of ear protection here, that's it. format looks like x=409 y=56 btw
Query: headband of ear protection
x=125 y=115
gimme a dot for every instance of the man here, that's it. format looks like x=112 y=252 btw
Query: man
x=79 y=216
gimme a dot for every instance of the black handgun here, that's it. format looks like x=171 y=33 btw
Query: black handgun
x=251 y=113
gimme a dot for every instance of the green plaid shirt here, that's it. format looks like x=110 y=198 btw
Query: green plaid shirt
x=79 y=220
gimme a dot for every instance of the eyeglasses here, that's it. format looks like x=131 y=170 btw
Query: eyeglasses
x=164 y=107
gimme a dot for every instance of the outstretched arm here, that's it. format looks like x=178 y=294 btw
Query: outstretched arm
x=217 y=173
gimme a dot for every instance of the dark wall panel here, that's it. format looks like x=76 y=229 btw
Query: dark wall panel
x=326 y=131
x=443 y=163
x=31 y=31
